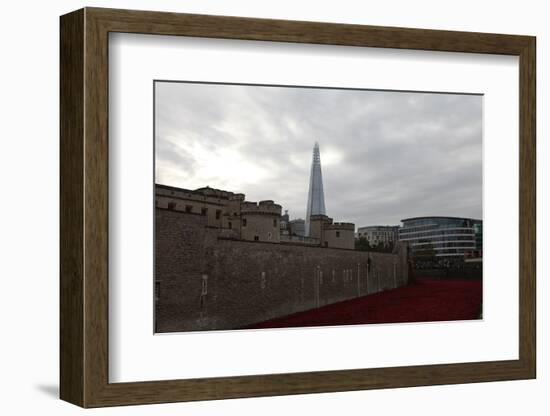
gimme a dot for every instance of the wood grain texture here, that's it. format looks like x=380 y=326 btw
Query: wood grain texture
x=527 y=207
x=96 y=218
x=71 y=213
x=84 y=207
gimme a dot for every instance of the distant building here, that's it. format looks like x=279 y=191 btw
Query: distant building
x=317 y=225
x=316 y=193
x=297 y=227
x=284 y=224
x=441 y=237
x=478 y=233
x=379 y=234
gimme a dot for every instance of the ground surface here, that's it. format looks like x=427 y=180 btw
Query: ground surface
x=424 y=300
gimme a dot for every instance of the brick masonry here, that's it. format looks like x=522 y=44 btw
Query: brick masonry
x=204 y=282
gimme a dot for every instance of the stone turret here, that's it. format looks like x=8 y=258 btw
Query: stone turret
x=317 y=224
x=332 y=234
x=260 y=221
x=340 y=235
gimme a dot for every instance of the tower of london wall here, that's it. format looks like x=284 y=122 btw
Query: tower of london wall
x=205 y=281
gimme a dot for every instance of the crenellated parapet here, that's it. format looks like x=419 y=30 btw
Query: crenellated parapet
x=236 y=218
x=200 y=195
x=266 y=207
x=348 y=226
x=237 y=197
x=321 y=217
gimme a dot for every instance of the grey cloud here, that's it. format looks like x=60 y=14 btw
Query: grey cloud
x=401 y=154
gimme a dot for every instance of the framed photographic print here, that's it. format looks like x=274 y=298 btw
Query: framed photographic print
x=255 y=207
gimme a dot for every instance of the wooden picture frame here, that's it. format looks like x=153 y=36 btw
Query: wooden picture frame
x=84 y=207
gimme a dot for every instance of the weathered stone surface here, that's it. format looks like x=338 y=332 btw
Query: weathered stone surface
x=204 y=282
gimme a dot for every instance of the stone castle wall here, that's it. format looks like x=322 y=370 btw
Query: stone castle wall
x=204 y=282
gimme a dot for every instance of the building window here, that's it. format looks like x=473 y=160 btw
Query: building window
x=204 y=211
x=230 y=225
x=244 y=222
x=337 y=234
x=275 y=223
x=256 y=238
x=188 y=208
x=171 y=205
x=218 y=214
x=326 y=243
x=269 y=235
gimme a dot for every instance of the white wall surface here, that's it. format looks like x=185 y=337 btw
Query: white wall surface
x=30 y=192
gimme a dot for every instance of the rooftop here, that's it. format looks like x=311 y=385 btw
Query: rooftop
x=439 y=217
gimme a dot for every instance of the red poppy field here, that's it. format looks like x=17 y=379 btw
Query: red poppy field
x=422 y=301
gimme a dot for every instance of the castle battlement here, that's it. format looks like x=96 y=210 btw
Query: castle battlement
x=263 y=207
x=237 y=197
x=236 y=218
x=341 y=226
x=216 y=193
x=321 y=217
x=206 y=194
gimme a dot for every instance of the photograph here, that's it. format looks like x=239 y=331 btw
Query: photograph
x=283 y=206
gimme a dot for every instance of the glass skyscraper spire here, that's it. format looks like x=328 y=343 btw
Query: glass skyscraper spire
x=316 y=194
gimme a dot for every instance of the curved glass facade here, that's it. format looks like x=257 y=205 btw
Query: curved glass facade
x=440 y=236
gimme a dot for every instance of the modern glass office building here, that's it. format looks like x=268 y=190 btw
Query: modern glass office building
x=442 y=237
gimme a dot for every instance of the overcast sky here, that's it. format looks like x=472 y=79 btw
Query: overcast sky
x=385 y=155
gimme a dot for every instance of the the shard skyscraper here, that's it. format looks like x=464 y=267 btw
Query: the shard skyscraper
x=316 y=194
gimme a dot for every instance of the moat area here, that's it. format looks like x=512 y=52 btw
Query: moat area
x=424 y=300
